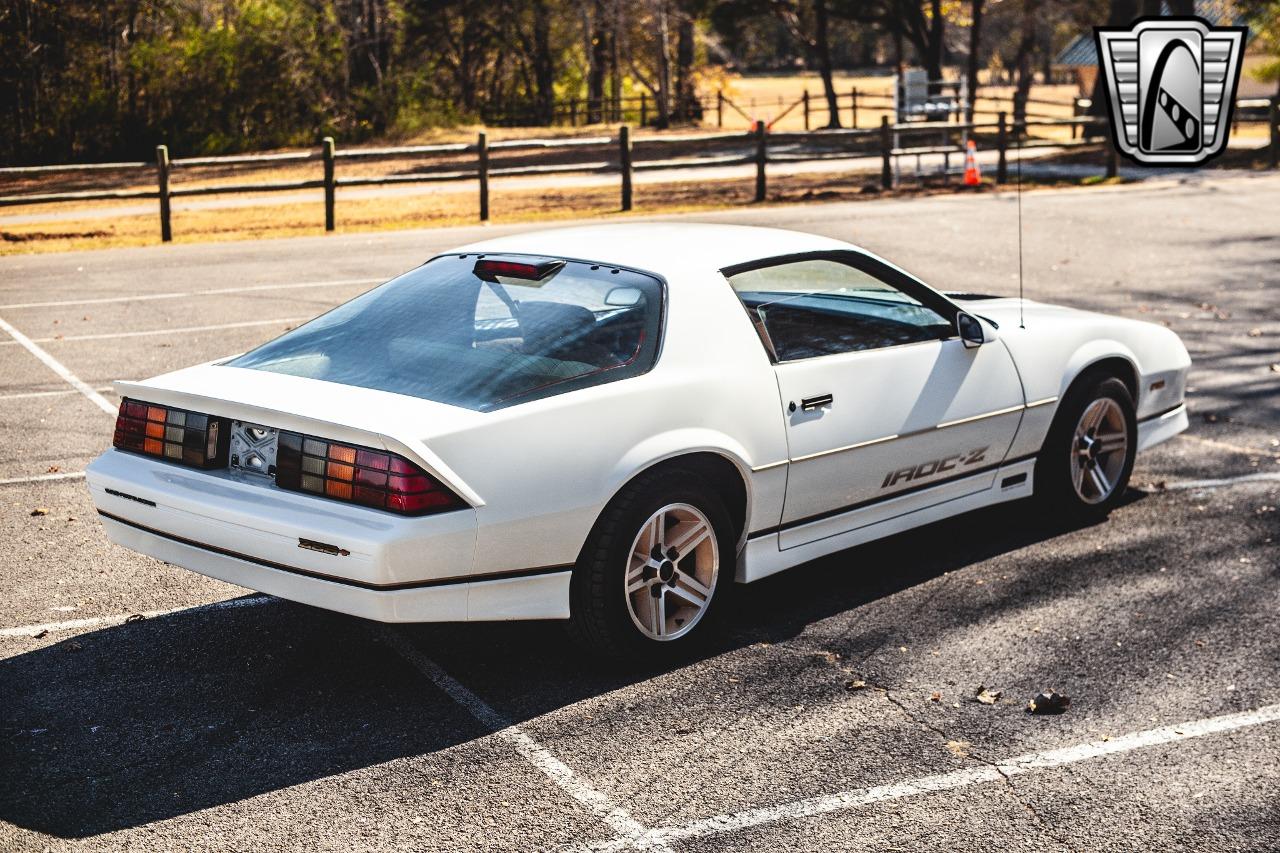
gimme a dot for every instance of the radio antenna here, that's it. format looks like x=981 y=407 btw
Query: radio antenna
x=1017 y=139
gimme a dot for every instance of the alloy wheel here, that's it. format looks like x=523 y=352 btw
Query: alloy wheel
x=671 y=572
x=1099 y=450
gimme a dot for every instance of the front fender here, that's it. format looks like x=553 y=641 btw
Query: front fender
x=1090 y=354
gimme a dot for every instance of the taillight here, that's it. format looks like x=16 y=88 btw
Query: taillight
x=359 y=475
x=174 y=434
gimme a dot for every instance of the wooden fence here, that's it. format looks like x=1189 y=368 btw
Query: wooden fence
x=889 y=143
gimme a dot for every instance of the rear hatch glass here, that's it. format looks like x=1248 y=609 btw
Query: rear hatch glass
x=443 y=333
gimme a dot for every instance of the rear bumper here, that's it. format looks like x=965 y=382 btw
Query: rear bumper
x=382 y=566
x=1162 y=427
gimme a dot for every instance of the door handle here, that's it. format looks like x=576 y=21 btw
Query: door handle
x=816 y=402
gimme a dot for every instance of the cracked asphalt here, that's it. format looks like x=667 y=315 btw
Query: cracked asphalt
x=277 y=726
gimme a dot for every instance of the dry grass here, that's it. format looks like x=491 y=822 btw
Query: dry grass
x=767 y=96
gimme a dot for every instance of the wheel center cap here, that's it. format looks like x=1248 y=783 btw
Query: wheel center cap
x=667 y=570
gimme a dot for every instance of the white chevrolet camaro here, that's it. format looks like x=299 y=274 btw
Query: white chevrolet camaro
x=609 y=425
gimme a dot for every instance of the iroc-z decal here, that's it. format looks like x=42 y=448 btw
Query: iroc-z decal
x=934 y=467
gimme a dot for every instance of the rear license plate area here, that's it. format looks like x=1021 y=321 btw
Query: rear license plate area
x=253 y=449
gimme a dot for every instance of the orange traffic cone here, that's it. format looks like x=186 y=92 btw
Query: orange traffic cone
x=972 y=175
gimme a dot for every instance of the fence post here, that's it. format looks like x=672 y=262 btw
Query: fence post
x=328 y=183
x=853 y=110
x=1274 y=114
x=624 y=164
x=761 y=157
x=644 y=109
x=720 y=108
x=162 y=175
x=482 y=170
x=886 y=153
x=806 y=109
x=1002 y=143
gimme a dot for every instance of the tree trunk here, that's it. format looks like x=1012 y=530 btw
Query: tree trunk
x=822 y=46
x=1026 y=49
x=934 y=45
x=598 y=57
x=544 y=71
x=684 y=110
x=975 y=45
x=615 y=62
x=663 y=95
x=1121 y=14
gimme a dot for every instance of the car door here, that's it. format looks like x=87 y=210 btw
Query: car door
x=888 y=410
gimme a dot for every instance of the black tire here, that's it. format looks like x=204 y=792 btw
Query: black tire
x=1055 y=485
x=600 y=619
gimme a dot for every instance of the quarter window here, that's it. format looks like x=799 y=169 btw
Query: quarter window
x=820 y=306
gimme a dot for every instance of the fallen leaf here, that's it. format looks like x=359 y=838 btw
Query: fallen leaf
x=987 y=697
x=53 y=469
x=1255 y=333
x=40 y=510
x=959 y=748
x=855 y=684
x=136 y=617
x=935 y=696
x=72 y=646
x=829 y=657
x=43 y=633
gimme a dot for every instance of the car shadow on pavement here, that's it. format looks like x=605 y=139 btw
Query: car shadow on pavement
x=153 y=719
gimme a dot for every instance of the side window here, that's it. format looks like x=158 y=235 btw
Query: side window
x=814 y=307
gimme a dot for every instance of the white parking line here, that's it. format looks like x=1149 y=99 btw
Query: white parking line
x=107 y=621
x=190 y=293
x=185 y=329
x=30 y=394
x=41 y=478
x=1234 y=448
x=58 y=368
x=1015 y=766
x=617 y=818
x=1262 y=477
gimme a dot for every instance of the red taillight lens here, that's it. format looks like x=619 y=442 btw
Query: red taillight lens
x=177 y=435
x=359 y=475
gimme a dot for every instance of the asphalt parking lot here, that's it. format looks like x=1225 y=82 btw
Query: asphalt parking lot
x=837 y=711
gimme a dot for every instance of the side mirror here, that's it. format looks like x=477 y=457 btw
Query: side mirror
x=970 y=330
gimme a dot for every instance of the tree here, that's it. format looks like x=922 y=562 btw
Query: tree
x=809 y=22
x=1023 y=61
x=1264 y=22
x=924 y=31
x=544 y=69
x=973 y=63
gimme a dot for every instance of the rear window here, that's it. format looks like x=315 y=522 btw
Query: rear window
x=442 y=333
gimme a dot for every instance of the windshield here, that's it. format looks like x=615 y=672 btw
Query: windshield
x=443 y=334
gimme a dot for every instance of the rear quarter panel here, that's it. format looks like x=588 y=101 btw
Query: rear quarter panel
x=546 y=469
